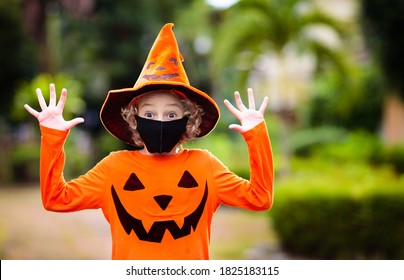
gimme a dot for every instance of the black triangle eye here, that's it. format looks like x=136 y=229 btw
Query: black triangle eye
x=133 y=183
x=187 y=181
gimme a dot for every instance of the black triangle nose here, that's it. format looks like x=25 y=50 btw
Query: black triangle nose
x=163 y=200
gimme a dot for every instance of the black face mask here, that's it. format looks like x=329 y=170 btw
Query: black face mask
x=161 y=137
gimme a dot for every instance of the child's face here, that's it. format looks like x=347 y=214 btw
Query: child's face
x=160 y=107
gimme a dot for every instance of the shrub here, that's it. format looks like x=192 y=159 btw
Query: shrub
x=357 y=146
x=353 y=146
x=303 y=142
x=340 y=211
x=392 y=155
x=24 y=161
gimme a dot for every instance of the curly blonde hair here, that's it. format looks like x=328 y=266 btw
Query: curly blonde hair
x=191 y=110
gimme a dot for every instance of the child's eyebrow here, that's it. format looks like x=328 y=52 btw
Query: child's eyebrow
x=145 y=105
x=174 y=104
x=168 y=105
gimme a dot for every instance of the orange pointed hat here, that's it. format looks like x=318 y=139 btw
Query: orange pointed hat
x=163 y=70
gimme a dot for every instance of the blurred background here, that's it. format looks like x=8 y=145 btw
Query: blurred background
x=334 y=74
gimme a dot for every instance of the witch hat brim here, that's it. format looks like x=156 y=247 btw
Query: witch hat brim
x=162 y=71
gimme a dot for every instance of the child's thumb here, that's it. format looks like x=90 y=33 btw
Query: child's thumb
x=236 y=127
x=74 y=122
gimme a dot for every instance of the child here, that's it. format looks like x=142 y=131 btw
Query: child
x=159 y=200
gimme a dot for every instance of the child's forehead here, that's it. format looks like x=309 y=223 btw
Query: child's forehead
x=159 y=98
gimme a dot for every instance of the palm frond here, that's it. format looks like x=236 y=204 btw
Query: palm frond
x=262 y=26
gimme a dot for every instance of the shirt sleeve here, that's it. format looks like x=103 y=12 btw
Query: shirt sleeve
x=85 y=192
x=256 y=193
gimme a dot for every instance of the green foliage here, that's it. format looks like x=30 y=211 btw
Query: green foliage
x=341 y=146
x=196 y=44
x=340 y=210
x=304 y=141
x=24 y=157
x=26 y=94
x=78 y=154
x=382 y=26
x=106 y=143
x=24 y=162
x=351 y=103
x=357 y=146
x=115 y=39
x=254 y=27
x=16 y=53
x=391 y=155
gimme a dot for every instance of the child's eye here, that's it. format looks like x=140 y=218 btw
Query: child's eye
x=172 y=115
x=148 y=115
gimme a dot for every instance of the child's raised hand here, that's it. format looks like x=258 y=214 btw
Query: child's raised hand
x=52 y=115
x=248 y=117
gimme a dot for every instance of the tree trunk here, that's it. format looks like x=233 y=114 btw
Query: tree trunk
x=35 y=25
x=393 y=120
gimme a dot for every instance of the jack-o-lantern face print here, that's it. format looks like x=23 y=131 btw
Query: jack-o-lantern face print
x=158 y=228
x=162 y=72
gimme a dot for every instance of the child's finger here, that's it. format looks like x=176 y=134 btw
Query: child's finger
x=263 y=105
x=74 y=122
x=236 y=127
x=239 y=102
x=33 y=112
x=41 y=100
x=231 y=108
x=52 y=96
x=62 y=99
x=251 y=101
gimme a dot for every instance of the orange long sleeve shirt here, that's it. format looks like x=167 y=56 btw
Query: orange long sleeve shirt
x=158 y=207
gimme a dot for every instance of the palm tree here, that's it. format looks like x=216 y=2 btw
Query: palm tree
x=283 y=32
x=274 y=44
